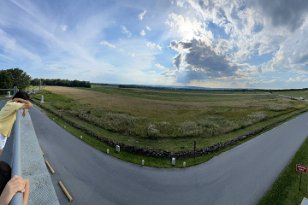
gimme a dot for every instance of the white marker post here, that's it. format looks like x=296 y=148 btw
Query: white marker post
x=142 y=162
x=9 y=94
x=42 y=99
x=173 y=161
x=107 y=151
x=118 y=149
x=184 y=164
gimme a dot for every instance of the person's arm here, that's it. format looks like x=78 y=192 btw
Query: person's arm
x=16 y=184
x=26 y=193
x=27 y=104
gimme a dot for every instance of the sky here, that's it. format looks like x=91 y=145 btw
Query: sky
x=209 y=43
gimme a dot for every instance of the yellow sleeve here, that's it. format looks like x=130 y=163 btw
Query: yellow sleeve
x=16 y=105
x=9 y=108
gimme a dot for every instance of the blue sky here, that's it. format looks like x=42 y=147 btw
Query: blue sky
x=242 y=44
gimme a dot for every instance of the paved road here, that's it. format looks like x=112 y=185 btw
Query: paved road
x=239 y=176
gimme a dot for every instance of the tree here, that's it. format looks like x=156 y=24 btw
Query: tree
x=19 y=78
x=6 y=80
x=62 y=82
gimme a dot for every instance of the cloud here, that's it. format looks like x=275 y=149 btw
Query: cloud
x=161 y=67
x=237 y=40
x=219 y=43
x=141 y=15
x=106 y=43
x=196 y=60
x=148 y=28
x=186 y=27
x=292 y=54
x=142 y=32
x=14 y=50
x=153 y=45
x=124 y=30
x=289 y=13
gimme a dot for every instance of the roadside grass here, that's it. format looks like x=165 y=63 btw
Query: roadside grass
x=285 y=190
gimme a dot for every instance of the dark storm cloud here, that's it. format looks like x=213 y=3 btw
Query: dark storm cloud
x=289 y=13
x=197 y=61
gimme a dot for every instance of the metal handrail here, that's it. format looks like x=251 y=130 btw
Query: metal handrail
x=16 y=162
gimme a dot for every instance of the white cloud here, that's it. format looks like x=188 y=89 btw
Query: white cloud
x=106 y=43
x=216 y=43
x=126 y=31
x=237 y=31
x=142 y=33
x=161 y=67
x=186 y=27
x=14 y=50
x=153 y=45
x=142 y=14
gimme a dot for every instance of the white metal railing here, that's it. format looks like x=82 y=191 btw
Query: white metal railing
x=16 y=164
x=15 y=160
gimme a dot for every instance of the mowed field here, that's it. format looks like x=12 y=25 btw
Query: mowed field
x=170 y=119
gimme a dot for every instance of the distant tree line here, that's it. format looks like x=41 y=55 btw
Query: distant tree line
x=14 y=77
x=61 y=82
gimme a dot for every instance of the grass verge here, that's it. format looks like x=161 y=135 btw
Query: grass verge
x=285 y=190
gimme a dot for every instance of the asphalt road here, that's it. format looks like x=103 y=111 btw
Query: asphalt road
x=239 y=176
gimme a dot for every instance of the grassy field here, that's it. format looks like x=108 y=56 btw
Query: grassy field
x=295 y=93
x=285 y=191
x=169 y=119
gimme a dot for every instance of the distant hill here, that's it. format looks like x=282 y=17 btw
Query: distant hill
x=192 y=88
x=164 y=87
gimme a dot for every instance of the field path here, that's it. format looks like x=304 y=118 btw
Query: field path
x=239 y=176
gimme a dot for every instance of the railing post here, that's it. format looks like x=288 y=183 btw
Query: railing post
x=15 y=90
x=16 y=165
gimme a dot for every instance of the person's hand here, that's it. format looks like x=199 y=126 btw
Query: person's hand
x=16 y=184
x=24 y=111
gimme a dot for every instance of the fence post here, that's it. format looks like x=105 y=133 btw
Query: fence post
x=15 y=90
x=16 y=166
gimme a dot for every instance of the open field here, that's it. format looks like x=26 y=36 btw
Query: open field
x=295 y=93
x=169 y=119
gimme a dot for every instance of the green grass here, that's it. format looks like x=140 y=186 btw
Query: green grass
x=129 y=157
x=135 y=158
x=62 y=104
x=278 y=110
x=170 y=126
x=297 y=93
x=181 y=95
x=285 y=190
